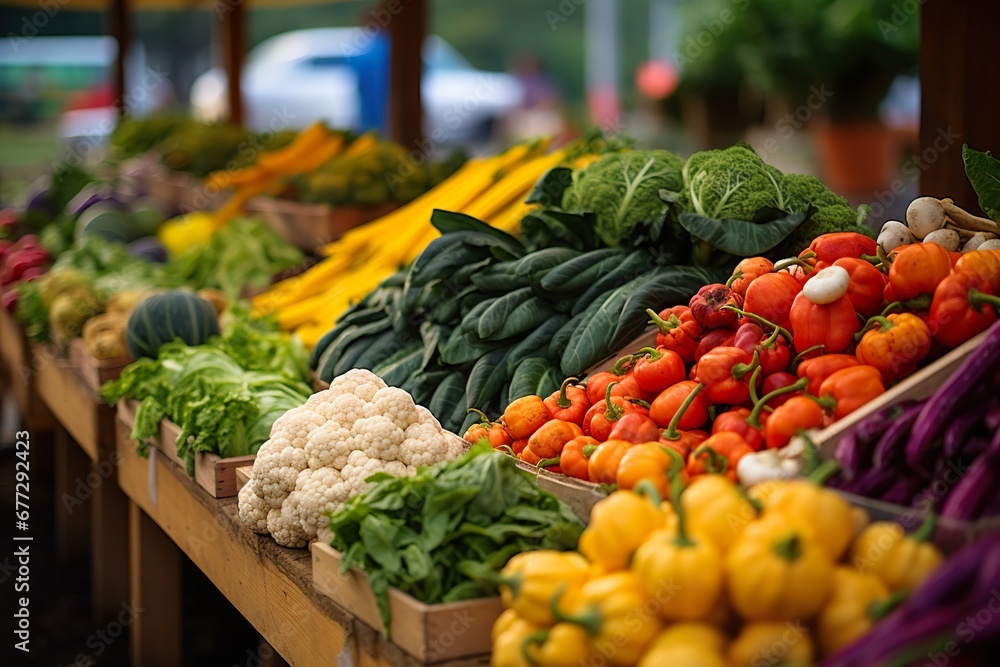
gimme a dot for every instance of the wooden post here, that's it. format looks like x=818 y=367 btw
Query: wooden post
x=959 y=93
x=233 y=49
x=407 y=29
x=118 y=20
x=72 y=517
x=155 y=582
x=109 y=548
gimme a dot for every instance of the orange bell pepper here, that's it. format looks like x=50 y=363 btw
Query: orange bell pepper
x=575 y=457
x=681 y=406
x=798 y=413
x=678 y=331
x=495 y=432
x=819 y=369
x=650 y=462
x=525 y=416
x=963 y=305
x=602 y=468
x=895 y=345
x=985 y=264
x=918 y=269
x=569 y=403
x=867 y=287
x=747 y=271
x=725 y=372
x=601 y=416
x=771 y=296
x=848 y=389
x=832 y=325
x=548 y=441
x=719 y=454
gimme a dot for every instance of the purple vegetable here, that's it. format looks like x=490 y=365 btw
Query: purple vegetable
x=958 y=430
x=904 y=490
x=939 y=411
x=892 y=445
x=973 y=493
x=853 y=451
x=148 y=247
x=974 y=445
x=39 y=200
x=872 y=483
x=91 y=194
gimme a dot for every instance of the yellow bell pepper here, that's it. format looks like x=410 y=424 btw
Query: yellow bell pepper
x=562 y=645
x=680 y=572
x=615 y=612
x=857 y=601
x=806 y=505
x=772 y=644
x=901 y=561
x=687 y=644
x=717 y=509
x=509 y=634
x=618 y=525
x=778 y=574
x=186 y=231
x=532 y=579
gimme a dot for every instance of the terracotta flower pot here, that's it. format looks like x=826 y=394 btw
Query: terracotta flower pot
x=856 y=157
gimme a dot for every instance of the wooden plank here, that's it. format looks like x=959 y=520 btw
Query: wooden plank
x=233 y=50
x=109 y=545
x=17 y=356
x=407 y=28
x=71 y=402
x=120 y=29
x=72 y=520
x=957 y=56
x=431 y=633
x=155 y=639
x=243 y=477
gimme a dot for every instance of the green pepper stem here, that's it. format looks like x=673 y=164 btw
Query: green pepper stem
x=536 y=639
x=823 y=472
x=754 y=418
x=622 y=365
x=715 y=463
x=676 y=489
x=926 y=530
x=879 y=609
x=733 y=278
x=671 y=432
x=883 y=258
x=664 y=325
x=506 y=449
x=646 y=488
x=613 y=412
x=545 y=463
x=739 y=371
x=753 y=385
x=798 y=357
x=563 y=400
x=589 y=619
x=588 y=451
x=650 y=352
x=484 y=420
x=826 y=402
x=760 y=320
x=895 y=305
x=513 y=582
x=922 y=302
x=796 y=261
x=771 y=340
x=884 y=325
x=789 y=548
x=810 y=455
x=977 y=300
x=638 y=401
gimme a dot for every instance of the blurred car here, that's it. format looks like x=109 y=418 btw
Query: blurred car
x=338 y=75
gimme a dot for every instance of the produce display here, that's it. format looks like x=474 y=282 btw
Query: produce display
x=901 y=452
x=444 y=534
x=224 y=395
x=323 y=451
x=713 y=578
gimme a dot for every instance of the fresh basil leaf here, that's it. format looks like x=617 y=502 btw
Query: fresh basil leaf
x=983 y=171
x=739 y=237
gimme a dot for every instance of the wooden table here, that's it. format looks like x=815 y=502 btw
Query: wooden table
x=271 y=586
x=90 y=508
x=19 y=374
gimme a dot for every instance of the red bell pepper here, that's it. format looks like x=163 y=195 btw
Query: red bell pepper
x=719 y=454
x=569 y=403
x=867 y=286
x=832 y=325
x=850 y=388
x=707 y=306
x=635 y=428
x=778 y=381
x=682 y=406
x=963 y=305
x=601 y=416
x=497 y=434
x=918 y=269
x=735 y=421
x=799 y=413
x=657 y=369
x=831 y=247
x=748 y=270
x=713 y=339
x=686 y=441
x=678 y=331
x=818 y=369
x=748 y=337
x=628 y=387
x=771 y=296
x=597 y=385
x=725 y=372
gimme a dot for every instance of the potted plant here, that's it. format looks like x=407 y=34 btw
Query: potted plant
x=833 y=62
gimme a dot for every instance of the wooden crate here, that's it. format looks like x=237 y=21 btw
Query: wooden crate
x=430 y=633
x=18 y=360
x=213 y=473
x=243 y=477
x=94 y=372
x=308 y=226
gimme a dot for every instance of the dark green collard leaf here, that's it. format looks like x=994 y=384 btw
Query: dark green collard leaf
x=550 y=228
x=478 y=232
x=398 y=368
x=486 y=378
x=534 y=376
x=527 y=316
x=448 y=399
x=739 y=237
x=536 y=343
x=548 y=191
x=612 y=274
x=431 y=335
x=983 y=172
x=494 y=317
x=463 y=348
x=573 y=274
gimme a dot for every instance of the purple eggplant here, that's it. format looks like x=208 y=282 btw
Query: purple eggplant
x=872 y=483
x=892 y=445
x=904 y=490
x=958 y=431
x=91 y=194
x=939 y=411
x=854 y=450
x=148 y=247
x=974 y=491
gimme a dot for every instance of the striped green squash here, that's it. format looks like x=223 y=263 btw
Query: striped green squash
x=161 y=318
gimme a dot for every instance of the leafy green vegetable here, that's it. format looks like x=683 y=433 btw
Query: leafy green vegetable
x=445 y=533
x=224 y=395
x=622 y=190
x=983 y=171
x=245 y=253
x=730 y=184
x=739 y=237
